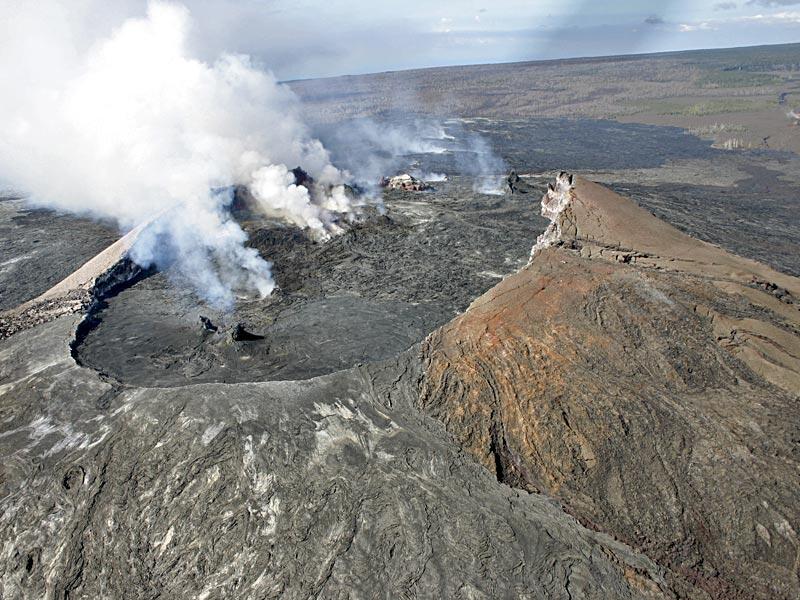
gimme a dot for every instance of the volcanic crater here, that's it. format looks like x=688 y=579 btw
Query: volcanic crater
x=362 y=297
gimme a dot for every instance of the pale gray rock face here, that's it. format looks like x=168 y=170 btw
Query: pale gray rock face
x=333 y=488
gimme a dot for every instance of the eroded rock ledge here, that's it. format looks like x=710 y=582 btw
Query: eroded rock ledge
x=648 y=380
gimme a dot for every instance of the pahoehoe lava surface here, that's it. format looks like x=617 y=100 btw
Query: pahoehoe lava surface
x=334 y=487
x=39 y=248
x=756 y=218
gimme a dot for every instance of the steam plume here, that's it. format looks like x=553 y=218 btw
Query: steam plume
x=134 y=129
x=487 y=168
x=371 y=148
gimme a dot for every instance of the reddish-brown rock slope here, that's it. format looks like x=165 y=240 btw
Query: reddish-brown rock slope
x=646 y=379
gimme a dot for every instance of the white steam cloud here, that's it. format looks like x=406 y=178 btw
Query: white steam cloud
x=134 y=129
x=487 y=168
x=372 y=148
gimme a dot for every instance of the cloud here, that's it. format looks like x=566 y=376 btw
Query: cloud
x=774 y=18
x=688 y=28
x=773 y=3
x=725 y=6
x=654 y=20
x=767 y=22
x=363 y=37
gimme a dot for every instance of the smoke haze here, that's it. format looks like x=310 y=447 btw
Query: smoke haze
x=132 y=128
x=371 y=148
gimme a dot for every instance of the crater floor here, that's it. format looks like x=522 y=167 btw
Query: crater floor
x=362 y=297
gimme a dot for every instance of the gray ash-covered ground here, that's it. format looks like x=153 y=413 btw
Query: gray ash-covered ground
x=751 y=210
x=586 y=144
x=471 y=147
x=756 y=218
x=340 y=486
x=606 y=423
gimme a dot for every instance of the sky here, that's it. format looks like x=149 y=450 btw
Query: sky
x=313 y=38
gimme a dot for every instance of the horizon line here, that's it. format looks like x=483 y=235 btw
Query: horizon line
x=587 y=57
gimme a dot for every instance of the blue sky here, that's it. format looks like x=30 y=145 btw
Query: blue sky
x=309 y=38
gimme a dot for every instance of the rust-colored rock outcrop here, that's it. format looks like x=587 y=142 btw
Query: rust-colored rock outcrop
x=649 y=381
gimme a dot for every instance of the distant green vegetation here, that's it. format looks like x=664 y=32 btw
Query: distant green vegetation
x=736 y=79
x=706 y=107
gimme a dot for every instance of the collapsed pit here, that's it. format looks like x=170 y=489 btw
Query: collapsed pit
x=362 y=297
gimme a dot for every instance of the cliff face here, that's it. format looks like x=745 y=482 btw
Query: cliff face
x=646 y=379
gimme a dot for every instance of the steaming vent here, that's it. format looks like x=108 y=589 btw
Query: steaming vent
x=405 y=182
x=554 y=202
x=340 y=204
x=149 y=133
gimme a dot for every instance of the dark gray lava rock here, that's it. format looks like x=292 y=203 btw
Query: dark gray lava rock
x=517 y=185
x=208 y=325
x=240 y=334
